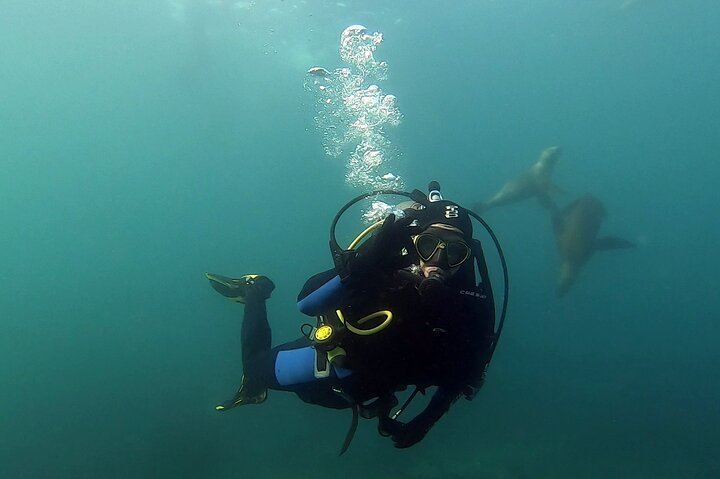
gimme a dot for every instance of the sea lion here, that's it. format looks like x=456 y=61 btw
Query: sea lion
x=535 y=182
x=576 y=228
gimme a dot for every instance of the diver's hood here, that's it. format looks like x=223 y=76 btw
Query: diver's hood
x=440 y=211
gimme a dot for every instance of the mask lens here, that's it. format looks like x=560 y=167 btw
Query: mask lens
x=457 y=253
x=426 y=246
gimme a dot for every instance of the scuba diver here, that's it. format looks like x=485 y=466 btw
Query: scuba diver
x=404 y=308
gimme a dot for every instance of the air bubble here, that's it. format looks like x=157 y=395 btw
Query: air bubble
x=352 y=111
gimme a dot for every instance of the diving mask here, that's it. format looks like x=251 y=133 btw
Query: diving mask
x=427 y=246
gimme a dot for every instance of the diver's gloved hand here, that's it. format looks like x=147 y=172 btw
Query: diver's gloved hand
x=383 y=252
x=407 y=435
x=475 y=383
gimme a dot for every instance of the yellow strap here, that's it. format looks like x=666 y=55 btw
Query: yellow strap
x=366 y=332
x=364 y=233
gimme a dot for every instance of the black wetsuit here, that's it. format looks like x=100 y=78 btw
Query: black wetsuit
x=439 y=341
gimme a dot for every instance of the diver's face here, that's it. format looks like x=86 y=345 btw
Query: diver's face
x=442 y=250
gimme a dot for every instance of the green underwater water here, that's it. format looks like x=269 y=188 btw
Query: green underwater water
x=144 y=143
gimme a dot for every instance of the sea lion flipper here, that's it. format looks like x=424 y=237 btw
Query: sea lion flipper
x=612 y=242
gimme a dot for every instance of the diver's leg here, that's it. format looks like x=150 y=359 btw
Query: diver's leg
x=255 y=334
x=255 y=339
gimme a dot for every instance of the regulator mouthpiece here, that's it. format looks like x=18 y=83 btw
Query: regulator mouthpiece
x=431 y=285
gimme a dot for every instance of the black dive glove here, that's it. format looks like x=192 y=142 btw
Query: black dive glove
x=383 y=252
x=405 y=435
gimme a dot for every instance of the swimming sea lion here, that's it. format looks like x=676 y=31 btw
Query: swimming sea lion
x=576 y=228
x=535 y=182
